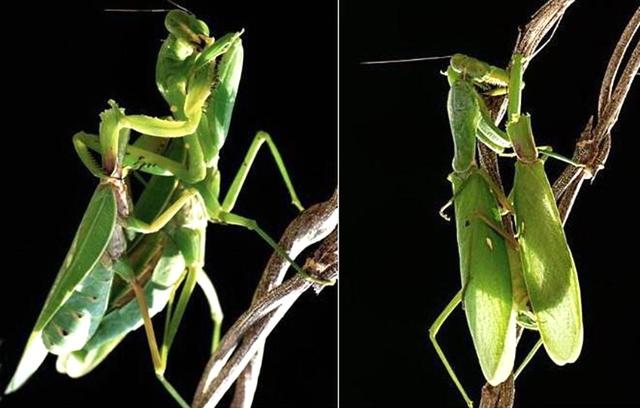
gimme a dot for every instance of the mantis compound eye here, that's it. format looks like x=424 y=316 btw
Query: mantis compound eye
x=187 y=28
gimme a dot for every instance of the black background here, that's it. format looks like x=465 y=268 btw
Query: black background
x=62 y=62
x=398 y=257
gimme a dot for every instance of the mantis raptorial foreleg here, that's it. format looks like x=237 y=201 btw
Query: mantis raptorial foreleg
x=216 y=210
x=142 y=159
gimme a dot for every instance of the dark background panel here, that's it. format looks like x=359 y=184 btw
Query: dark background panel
x=62 y=61
x=399 y=258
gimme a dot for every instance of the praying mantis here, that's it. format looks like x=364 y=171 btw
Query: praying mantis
x=527 y=280
x=100 y=292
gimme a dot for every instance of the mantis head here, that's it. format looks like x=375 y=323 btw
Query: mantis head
x=186 y=28
x=480 y=73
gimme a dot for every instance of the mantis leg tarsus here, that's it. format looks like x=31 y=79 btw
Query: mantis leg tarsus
x=239 y=179
x=433 y=332
x=443 y=209
x=235 y=219
x=448 y=204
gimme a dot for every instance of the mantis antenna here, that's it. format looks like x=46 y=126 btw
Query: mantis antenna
x=398 y=61
x=158 y=10
x=419 y=59
x=183 y=8
x=117 y=10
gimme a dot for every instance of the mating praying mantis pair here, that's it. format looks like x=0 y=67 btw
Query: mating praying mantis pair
x=527 y=280
x=127 y=262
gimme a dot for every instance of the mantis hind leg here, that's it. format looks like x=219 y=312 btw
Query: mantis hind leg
x=433 y=332
x=145 y=158
x=238 y=181
x=214 y=307
x=175 y=317
x=158 y=365
x=528 y=358
x=153 y=344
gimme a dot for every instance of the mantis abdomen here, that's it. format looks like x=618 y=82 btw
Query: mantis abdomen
x=79 y=317
x=486 y=275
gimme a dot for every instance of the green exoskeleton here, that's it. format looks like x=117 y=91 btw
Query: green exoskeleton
x=180 y=199
x=77 y=302
x=182 y=240
x=528 y=280
x=549 y=272
x=484 y=261
x=185 y=233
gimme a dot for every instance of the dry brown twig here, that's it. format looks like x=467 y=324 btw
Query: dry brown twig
x=240 y=351
x=593 y=146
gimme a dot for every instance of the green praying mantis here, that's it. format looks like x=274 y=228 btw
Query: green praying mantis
x=126 y=263
x=527 y=280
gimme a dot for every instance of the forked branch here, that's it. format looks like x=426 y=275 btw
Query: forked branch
x=594 y=144
x=238 y=356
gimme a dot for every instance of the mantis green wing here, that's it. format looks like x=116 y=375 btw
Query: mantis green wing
x=549 y=270
x=486 y=276
x=90 y=242
x=155 y=254
x=217 y=118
